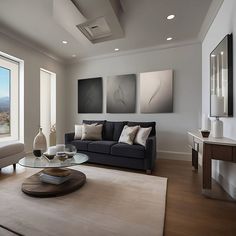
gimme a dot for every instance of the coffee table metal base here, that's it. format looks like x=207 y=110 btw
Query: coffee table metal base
x=33 y=186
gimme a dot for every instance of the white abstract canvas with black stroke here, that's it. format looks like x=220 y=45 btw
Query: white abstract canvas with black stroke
x=121 y=94
x=90 y=95
x=156 y=92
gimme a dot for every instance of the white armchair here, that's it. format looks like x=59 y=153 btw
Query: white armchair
x=11 y=153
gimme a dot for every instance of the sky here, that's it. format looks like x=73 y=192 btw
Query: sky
x=4 y=82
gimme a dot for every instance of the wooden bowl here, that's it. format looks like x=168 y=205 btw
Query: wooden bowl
x=205 y=133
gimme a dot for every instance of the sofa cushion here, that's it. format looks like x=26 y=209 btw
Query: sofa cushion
x=126 y=150
x=11 y=149
x=128 y=134
x=145 y=125
x=118 y=127
x=99 y=122
x=78 y=132
x=108 y=130
x=92 y=132
x=81 y=144
x=89 y=122
x=142 y=135
x=101 y=146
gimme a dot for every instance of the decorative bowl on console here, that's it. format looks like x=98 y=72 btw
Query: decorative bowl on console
x=205 y=133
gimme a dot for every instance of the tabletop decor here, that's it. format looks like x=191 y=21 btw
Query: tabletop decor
x=40 y=143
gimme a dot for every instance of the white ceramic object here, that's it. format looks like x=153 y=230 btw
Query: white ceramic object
x=40 y=142
x=60 y=147
x=52 y=150
x=217 y=128
x=217 y=105
x=206 y=122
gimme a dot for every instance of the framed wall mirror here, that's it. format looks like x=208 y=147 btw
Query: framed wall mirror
x=221 y=79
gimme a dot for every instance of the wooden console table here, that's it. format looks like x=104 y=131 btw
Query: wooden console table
x=223 y=149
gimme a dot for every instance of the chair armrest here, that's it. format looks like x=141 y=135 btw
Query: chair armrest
x=150 y=153
x=69 y=137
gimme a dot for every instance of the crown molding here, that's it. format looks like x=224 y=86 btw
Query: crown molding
x=211 y=14
x=136 y=51
x=19 y=38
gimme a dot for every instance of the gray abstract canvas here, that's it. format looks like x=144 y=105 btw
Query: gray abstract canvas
x=121 y=94
x=90 y=95
x=156 y=92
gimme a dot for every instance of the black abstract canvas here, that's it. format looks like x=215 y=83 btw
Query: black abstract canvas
x=90 y=95
x=156 y=92
x=121 y=94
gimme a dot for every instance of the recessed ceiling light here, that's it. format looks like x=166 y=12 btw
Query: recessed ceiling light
x=170 y=17
x=168 y=39
x=213 y=55
x=117 y=49
x=64 y=42
x=73 y=55
x=222 y=53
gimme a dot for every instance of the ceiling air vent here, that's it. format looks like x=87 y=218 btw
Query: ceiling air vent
x=96 y=29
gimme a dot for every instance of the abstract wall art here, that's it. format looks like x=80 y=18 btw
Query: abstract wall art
x=90 y=95
x=156 y=92
x=121 y=94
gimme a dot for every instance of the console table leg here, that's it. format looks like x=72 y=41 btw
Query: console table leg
x=194 y=159
x=206 y=167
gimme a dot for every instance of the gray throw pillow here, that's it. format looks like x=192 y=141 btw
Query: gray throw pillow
x=142 y=136
x=92 y=132
x=128 y=134
x=78 y=132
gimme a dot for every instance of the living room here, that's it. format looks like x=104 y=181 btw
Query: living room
x=146 y=169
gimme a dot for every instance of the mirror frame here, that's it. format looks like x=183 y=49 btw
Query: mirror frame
x=229 y=49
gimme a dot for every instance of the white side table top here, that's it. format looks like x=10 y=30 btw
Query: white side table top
x=211 y=140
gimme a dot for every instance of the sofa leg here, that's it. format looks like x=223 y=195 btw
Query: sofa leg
x=14 y=166
x=148 y=172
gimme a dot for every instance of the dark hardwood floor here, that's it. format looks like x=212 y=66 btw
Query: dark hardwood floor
x=188 y=212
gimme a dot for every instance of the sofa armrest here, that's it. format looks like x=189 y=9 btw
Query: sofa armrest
x=69 y=137
x=150 y=153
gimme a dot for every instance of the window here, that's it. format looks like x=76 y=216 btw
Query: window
x=4 y=102
x=11 y=103
x=47 y=101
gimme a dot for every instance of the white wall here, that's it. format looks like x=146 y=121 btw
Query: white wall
x=171 y=128
x=33 y=61
x=224 y=23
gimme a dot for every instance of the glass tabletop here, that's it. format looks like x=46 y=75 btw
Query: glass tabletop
x=43 y=162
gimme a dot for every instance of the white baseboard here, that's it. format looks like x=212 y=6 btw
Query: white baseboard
x=179 y=156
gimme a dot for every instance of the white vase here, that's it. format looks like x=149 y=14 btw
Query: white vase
x=52 y=136
x=40 y=142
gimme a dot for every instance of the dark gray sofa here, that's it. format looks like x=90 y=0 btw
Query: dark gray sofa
x=109 y=152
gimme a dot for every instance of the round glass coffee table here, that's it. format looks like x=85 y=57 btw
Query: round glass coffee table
x=55 y=179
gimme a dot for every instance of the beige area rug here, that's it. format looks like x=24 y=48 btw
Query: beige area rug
x=112 y=202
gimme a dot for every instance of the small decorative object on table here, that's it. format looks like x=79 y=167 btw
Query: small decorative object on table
x=205 y=133
x=52 y=135
x=49 y=157
x=70 y=150
x=39 y=144
x=51 y=152
x=61 y=156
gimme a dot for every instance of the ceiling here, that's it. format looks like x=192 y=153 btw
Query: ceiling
x=143 y=22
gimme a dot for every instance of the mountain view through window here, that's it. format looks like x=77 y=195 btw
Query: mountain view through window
x=4 y=101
